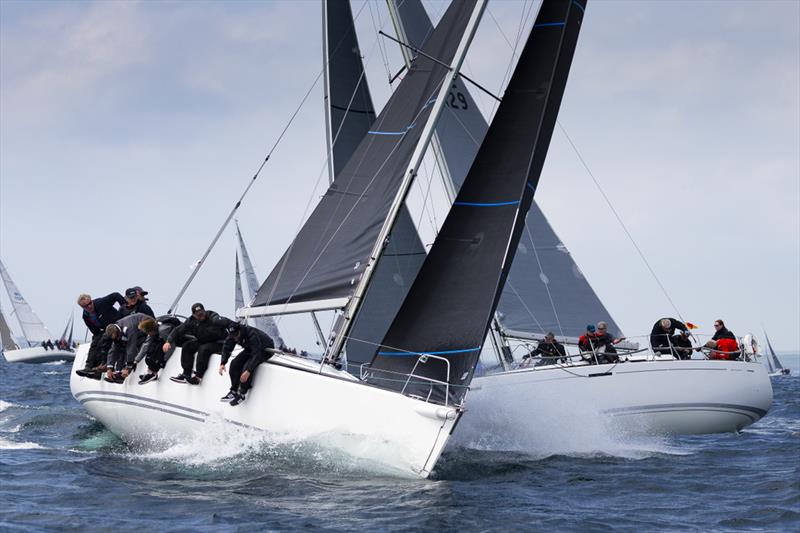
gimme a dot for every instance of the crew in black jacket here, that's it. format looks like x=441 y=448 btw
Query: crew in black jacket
x=243 y=368
x=549 y=349
x=201 y=334
x=98 y=314
x=135 y=303
x=663 y=329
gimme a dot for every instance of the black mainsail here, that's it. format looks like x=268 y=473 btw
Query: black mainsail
x=546 y=290
x=323 y=266
x=453 y=299
x=350 y=113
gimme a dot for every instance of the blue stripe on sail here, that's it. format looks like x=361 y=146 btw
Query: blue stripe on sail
x=530 y=186
x=578 y=6
x=477 y=204
x=445 y=352
x=391 y=132
x=547 y=24
x=372 y=132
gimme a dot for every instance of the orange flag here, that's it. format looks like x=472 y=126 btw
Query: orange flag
x=691 y=326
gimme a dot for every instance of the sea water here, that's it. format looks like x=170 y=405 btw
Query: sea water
x=60 y=470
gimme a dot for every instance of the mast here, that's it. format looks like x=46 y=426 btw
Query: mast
x=326 y=90
x=450 y=184
x=416 y=159
x=436 y=145
x=441 y=328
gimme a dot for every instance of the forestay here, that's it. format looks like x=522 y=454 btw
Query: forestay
x=325 y=262
x=453 y=299
x=545 y=291
x=32 y=327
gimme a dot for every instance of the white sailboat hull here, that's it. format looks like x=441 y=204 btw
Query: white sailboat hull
x=290 y=399
x=655 y=397
x=37 y=354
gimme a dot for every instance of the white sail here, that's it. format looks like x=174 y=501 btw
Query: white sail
x=6 y=337
x=264 y=323
x=33 y=328
x=238 y=297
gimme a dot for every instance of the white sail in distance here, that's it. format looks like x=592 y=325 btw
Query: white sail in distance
x=264 y=323
x=7 y=339
x=32 y=327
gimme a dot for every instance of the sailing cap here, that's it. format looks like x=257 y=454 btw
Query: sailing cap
x=590 y=328
x=130 y=293
x=197 y=307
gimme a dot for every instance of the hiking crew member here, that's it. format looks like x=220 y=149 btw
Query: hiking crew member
x=125 y=339
x=661 y=334
x=201 y=334
x=254 y=343
x=550 y=350
x=135 y=303
x=723 y=343
x=98 y=314
x=154 y=357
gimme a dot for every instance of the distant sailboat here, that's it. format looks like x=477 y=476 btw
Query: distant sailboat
x=264 y=323
x=34 y=331
x=773 y=363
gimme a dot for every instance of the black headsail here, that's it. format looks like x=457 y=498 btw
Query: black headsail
x=545 y=290
x=349 y=112
x=327 y=258
x=453 y=299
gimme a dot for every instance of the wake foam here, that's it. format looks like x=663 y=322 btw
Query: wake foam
x=224 y=447
x=561 y=428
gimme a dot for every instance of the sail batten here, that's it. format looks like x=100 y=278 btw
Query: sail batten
x=446 y=315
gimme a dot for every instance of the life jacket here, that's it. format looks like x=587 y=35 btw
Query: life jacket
x=725 y=345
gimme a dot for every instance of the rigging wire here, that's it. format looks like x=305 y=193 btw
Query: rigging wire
x=619 y=219
x=238 y=203
x=196 y=267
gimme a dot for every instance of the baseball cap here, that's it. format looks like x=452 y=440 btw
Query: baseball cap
x=130 y=293
x=590 y=328
x=197 y=307
x=140 y=290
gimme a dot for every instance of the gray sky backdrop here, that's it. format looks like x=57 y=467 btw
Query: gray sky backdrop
x=128 y=129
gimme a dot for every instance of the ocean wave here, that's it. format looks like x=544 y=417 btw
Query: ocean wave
x=12 y=445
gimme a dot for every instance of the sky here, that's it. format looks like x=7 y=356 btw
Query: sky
x=129 y=129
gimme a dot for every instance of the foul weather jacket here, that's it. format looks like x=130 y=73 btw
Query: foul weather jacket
x=254 y=341
x=213 y=328
x=140 y=307
x=660 y=338
x=104 y=312
x=723 y=333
